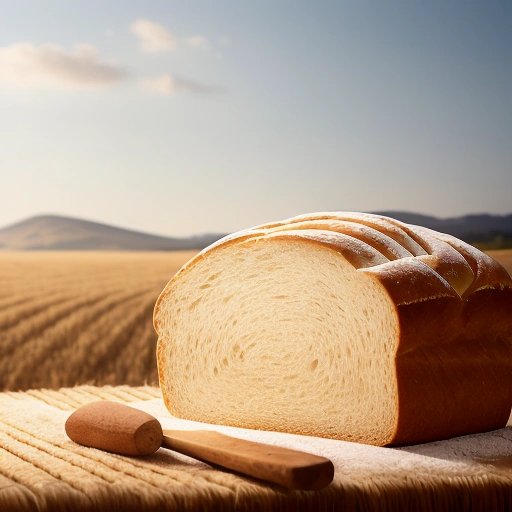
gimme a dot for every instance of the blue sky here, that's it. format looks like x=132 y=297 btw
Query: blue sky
x=188 y=117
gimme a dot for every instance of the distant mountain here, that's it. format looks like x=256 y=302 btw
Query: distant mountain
x=483 y=230
x=57 y=233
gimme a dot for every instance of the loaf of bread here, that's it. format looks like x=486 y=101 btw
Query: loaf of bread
x=343 y=325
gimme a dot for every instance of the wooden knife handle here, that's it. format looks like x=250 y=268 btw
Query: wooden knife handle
x=290 y=468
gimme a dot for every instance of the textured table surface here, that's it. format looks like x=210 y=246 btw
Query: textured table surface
x=41 y=469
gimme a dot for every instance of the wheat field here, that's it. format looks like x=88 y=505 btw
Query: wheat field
x=71 y=318
x=68 y=318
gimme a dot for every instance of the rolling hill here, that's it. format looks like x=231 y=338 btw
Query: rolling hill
x=54 y=232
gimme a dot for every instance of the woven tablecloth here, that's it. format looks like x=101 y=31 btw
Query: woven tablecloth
x=42 y=470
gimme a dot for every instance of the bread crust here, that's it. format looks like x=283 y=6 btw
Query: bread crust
x=453 y=366
x=454 y=309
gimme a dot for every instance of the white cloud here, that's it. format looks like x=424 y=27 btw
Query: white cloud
x=164 y=84
x=49 y=65
x=153 y=37
x=167 y=85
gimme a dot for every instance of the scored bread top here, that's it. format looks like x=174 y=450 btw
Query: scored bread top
x=413 y=262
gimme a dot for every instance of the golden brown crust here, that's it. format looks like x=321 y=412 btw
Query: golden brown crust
x=379 y=241
x=358 y=253
x=443 y=258
x=377 y=222
x=409 y=280
x=488 y=273
x=453 y=366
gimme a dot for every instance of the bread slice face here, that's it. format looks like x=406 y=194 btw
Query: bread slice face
x=279 y=333
x=342 y=325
